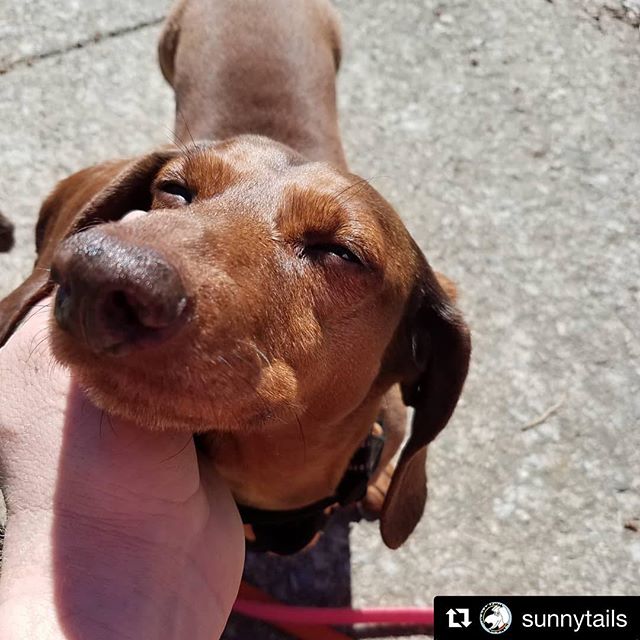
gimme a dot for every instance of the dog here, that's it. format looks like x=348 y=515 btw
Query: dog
x=244 y=286
x=6 y=234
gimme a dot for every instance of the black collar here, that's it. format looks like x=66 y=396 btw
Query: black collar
x=288 y=531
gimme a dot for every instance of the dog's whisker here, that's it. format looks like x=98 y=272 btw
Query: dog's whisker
x=110 y=423
x=41 y=307
x=38 y=309
x=289 y=404
x=88 y=225
x=361 y=184
x=51 y=368
x=35 y=348
x=186 y=124
x=260 y=353
x=302 y=436
x=177 y=140
x=175 y=455
x=251 y=386
x=36 y=341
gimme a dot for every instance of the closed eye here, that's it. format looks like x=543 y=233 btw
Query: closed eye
x=330 y=248
x=176 y=189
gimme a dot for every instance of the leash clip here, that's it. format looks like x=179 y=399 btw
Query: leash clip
x=353 y=486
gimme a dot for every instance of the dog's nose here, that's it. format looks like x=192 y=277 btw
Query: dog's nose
x=115 y=296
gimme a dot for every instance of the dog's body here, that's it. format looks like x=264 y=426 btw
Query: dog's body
x=269 y=298
x=277 y=79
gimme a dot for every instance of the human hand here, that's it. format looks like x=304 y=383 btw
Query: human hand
x=113 y=531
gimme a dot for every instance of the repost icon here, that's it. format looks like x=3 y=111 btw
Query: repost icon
x=458 y=618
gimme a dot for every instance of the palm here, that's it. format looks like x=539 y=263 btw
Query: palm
x=132 y=515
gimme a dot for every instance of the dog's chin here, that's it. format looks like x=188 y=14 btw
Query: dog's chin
x=165 y=414
x=175 y=408
x=182 y=391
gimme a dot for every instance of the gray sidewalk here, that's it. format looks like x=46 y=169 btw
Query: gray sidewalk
x=507 y=133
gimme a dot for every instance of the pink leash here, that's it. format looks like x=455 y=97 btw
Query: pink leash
x=333 y=615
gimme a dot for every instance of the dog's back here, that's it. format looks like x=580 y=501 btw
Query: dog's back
x=250 y=66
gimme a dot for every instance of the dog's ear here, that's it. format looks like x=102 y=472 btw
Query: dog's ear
x=130 y=189
x=16 y=305
x=434 y=341
x=101 y=193
x=169 y=39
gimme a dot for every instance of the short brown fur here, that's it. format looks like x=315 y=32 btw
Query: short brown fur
x=290 y=353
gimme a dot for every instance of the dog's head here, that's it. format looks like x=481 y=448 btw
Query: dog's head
x=232 y=285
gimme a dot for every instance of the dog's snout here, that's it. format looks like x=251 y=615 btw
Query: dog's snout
x=115 y=296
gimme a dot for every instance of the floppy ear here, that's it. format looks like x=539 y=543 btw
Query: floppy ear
x=102 y=193
x=435 y=340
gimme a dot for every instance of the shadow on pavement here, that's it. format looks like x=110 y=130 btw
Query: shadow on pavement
x=320 y=577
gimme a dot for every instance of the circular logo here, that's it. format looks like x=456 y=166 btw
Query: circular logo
x=495 y=617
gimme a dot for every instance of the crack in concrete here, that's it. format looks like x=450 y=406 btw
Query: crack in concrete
x=28 y=61
x=626 y=13
x=623 y=14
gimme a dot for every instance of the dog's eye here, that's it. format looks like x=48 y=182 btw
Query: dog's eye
x=176 y=189
x=337 y=250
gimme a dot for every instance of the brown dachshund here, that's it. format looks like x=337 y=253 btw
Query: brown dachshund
x=248 y=287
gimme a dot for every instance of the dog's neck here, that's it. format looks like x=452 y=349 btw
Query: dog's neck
x=285 y=117
x=306 y=459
